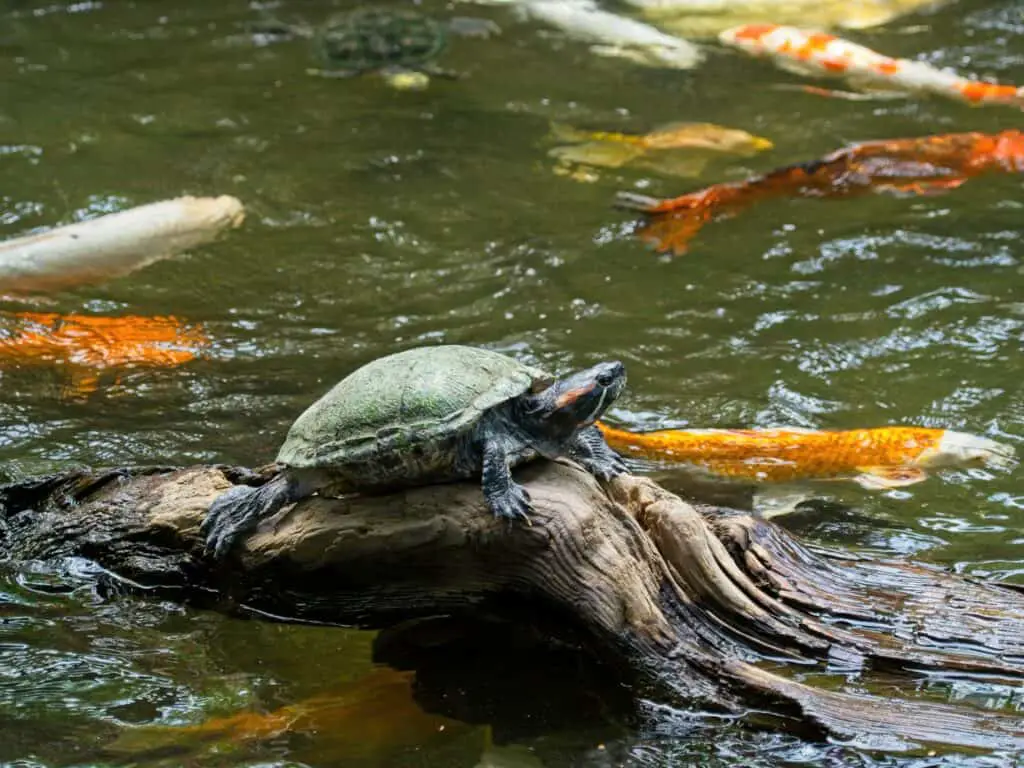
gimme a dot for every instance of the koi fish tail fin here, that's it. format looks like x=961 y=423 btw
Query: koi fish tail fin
x=634 y=202
x=564 y=132
x=672 y=223
x=631 y=201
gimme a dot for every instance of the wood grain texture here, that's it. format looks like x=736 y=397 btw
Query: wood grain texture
x=705 y=607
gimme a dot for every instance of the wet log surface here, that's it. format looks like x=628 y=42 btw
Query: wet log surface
x=697 y=606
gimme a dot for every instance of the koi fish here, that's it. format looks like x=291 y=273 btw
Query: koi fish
x=923 y=166
x=884 y=457
x=115 y=244
x=86 y=345
x=817 y=54
x=680 y=149
x=364 y=721
x=613 y=35
x=706 y=18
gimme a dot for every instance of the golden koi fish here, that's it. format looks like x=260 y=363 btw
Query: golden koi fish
x=817 y=54
x=677 y=149
x=884 y=457
x=706 y=18
x=87 y=345
x=366 y=721
x=924 y=166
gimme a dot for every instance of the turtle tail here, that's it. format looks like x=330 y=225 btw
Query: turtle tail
x=239 y=510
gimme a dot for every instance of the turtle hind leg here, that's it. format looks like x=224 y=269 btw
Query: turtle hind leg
x=471 y=26
x=239 y=510
x=592 y=452
x=505 y=496
x=337 y=74
x=435 y=71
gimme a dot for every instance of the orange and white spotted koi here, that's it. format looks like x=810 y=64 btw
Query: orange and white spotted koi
x=883 y=457
x=818 y=54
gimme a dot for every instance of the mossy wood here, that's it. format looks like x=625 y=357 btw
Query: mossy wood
x=700 y=606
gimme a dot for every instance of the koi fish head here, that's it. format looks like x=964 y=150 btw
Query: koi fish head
x=707 y=136
x=960 y=448
x=752 y=38
x=802 y=51
x=1009 y=150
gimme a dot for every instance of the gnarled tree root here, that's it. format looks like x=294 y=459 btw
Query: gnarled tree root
x=706 y=606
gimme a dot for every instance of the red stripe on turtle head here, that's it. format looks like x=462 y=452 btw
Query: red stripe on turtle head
x=570 y=396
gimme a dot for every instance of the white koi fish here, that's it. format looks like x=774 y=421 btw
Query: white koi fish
x=113 y=245
x=817 y=54
x=609 y=33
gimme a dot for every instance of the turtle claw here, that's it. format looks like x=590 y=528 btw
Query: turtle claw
x=511 y=504
x=238 y=512
x=594 y=455
x=226 y=522
x=604 y=467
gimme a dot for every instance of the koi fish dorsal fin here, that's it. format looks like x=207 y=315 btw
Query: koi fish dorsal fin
x=566 y=132
x=883 y=478
x=682 y=125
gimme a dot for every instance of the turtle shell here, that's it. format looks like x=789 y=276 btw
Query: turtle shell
x=398 y=419
x=369 y=39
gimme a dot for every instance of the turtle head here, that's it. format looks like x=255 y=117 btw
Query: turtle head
x=577 y=401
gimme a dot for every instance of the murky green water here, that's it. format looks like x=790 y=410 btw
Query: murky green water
x=380 y=220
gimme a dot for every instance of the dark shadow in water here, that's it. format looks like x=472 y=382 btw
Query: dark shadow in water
x=510 y=675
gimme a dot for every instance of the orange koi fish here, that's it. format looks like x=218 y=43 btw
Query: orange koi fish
x=884 y=457
x=87 y=345
x=817 y=54
x=927 y=165
x=366 y=721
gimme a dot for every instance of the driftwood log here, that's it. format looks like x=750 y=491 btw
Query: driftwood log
x=699 y=606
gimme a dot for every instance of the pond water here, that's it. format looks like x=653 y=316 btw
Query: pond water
x=379 y=220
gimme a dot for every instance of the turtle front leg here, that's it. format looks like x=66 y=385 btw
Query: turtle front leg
x=590 y=450
x=505 y=496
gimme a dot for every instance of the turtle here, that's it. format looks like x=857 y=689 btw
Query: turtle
x=427 y=415
x=399 y=43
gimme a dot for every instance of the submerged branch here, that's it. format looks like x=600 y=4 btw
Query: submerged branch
x=706 y=606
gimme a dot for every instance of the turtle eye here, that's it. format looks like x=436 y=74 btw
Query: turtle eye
x=605 y=379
